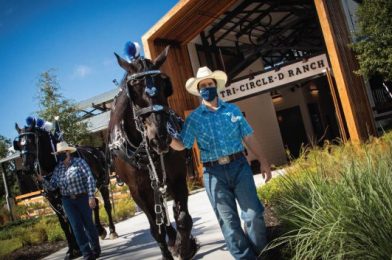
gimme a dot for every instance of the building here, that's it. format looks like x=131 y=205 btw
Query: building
x=289 y=64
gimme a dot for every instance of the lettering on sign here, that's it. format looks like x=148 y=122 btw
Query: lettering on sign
x=266 y=81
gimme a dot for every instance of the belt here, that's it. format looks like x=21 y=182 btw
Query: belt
x=75 y=196
x=224 y=159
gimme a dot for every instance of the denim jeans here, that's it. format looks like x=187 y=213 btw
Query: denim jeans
x=224 y=185
x=79 y=215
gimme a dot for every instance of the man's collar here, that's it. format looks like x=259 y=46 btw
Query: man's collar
x=221 y=104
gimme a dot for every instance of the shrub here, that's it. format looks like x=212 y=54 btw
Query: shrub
x=123 y=208
x=336 y=203
x=8 y=246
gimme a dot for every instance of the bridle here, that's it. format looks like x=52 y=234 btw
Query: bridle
x=150 y=89
x=159 y=186
x=37 y=165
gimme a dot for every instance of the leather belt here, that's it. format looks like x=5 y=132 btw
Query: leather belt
x=75 y=196
x=224 y=159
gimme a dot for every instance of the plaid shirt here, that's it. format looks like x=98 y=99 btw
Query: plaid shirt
x=218 y=133
x=75 y=179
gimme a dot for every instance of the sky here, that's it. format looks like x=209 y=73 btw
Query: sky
x=76 y=38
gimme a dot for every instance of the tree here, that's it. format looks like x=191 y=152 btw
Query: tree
x=374 y=45
x=5 y=143
x=9 y=167
x=52 y=104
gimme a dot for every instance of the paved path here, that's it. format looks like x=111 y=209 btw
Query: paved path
x=135 y=241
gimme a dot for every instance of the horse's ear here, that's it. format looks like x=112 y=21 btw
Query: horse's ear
x=17 y=128
x=158 y=61
x=129 y=67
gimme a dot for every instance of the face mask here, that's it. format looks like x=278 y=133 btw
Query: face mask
x=61 y=157
x=209 y=94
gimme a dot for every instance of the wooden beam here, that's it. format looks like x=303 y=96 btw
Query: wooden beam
x=184 y=22
x=351 y=87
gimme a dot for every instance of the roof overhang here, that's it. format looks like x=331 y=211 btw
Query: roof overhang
x=183 y=22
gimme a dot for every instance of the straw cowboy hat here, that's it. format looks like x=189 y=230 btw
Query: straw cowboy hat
x=64 y=147
x=205 y=73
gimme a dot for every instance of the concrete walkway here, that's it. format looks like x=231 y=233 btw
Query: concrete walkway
x=135 y=241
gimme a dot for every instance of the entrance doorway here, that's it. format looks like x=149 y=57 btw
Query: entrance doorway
x=292 y=130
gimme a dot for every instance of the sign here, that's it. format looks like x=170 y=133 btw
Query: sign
x=274 y=78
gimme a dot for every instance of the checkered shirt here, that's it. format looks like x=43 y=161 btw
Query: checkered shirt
x=218 y=133
x=75 y=179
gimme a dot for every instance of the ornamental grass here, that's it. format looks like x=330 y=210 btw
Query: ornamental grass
x=335 y=202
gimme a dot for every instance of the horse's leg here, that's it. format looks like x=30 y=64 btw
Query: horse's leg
x=147 y=205
x=108 y=207
x=101 y=230
x=186 y=244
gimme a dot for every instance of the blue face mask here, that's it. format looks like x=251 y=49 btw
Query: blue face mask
x=61 y=156
x=209 y=93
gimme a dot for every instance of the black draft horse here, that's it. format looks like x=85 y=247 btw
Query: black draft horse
x=36 y=146
x=138 y=141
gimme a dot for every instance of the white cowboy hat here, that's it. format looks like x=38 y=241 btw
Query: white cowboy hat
x=64 y=147
x=205 y=73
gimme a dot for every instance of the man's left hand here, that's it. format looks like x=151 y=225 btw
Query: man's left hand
x=91 y=202
x=266 y=172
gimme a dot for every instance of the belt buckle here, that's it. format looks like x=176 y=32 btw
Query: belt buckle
x=72 y=197
x=223 y=160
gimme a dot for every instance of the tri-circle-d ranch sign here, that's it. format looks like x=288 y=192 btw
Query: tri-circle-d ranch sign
x=266 y=81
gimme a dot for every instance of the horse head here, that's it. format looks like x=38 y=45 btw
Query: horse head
x=148 y=90
x=35 y=147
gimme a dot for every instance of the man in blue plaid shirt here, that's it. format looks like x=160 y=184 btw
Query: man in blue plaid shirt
x=77 y=187
x=220 y=130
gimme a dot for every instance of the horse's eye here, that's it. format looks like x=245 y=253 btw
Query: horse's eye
x=133 y=82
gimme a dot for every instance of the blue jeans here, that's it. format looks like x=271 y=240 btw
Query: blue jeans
x=224 y=185
x=79 y=215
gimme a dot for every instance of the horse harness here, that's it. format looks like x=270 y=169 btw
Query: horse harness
x=38 y=168
x=140 y=155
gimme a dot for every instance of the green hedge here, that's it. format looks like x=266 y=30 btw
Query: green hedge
x=335 y=202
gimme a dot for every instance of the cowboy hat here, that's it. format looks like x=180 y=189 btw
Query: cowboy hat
x=64 y=147
x=205 y=73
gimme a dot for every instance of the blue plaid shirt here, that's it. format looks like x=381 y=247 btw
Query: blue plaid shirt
x=218 y=133
x=75 y=179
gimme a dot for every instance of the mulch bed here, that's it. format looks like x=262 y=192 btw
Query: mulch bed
x=36 y=251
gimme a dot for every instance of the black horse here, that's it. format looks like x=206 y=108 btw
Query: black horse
x=36 y=146
x=138 y=141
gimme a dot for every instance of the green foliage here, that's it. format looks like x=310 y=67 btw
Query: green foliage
x=8 y=246
x=374 y=48
x=123 y=209
x=52 y=104
x=336 y=202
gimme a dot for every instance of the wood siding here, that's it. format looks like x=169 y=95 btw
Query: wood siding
x=351 y=87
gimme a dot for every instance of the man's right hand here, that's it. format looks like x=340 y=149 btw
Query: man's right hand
x=39 y=177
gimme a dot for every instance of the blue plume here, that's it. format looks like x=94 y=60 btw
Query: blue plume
x=29 y=121
x=40 y=122
x=132 y=50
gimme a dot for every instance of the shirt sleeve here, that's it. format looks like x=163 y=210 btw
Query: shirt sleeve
x=245 y=127
x=52 y=184
x=90 y=179
x=188 y=133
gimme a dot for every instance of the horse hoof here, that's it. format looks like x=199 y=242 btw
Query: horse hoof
x=193 y=248
x=103 y=234
x=113 y=235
